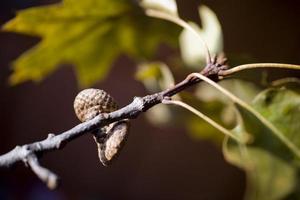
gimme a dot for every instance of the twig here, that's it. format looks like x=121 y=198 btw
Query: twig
x=258 y=65
x=205 y=118
x=44 y=174
x=29 y=153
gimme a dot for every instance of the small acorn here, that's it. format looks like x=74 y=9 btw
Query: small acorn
x=109 y=139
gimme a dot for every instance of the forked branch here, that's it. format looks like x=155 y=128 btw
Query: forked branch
x=29 y=154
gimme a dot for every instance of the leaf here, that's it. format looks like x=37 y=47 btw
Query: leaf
x=199 y=129
x=90 y=34
x=268 y=177
x=280 y=141
x=271 y=160
x=278 y=131
x=256 y=120
x=156 y=76
x=192 y=50
x=244 y=90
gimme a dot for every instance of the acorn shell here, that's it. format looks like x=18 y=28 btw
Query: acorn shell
x=111 y=138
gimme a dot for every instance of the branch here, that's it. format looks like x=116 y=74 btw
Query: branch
x=44 y=174
x=29 y=153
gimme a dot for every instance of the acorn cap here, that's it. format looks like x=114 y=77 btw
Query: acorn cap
x=91 y=102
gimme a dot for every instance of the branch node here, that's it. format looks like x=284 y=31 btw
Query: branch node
x=215 y=68
x=25 y=152
x=165 y=99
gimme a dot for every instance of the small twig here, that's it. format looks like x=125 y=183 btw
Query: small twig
x=205 y=118
x=258 y=65
x=44 y=174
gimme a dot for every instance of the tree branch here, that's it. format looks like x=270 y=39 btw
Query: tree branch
x=44 y=174
x=29 y=153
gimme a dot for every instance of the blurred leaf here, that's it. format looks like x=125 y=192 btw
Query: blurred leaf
x=160 y=115
x=268 y=177
x=90 y=34
x=200 y=129
x=197 y=128
x=192 y=50
x=244 y=90
x=269 y=162
x=148 y=71
x=288 y=82
x=156 y=76
x=228 y=115
x=168 y=6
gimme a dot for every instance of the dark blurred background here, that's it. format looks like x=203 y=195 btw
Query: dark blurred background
x=156 y=163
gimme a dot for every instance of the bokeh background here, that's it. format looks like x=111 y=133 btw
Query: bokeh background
x=157 y=162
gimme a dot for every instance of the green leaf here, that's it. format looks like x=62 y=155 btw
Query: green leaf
x=268 y=177
x=281 y=107
x=90 y=34
x=244 y=90
x=199 y=129
x=192 y=50
x=156 y=76
x=271 y=160
x=278 y=130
